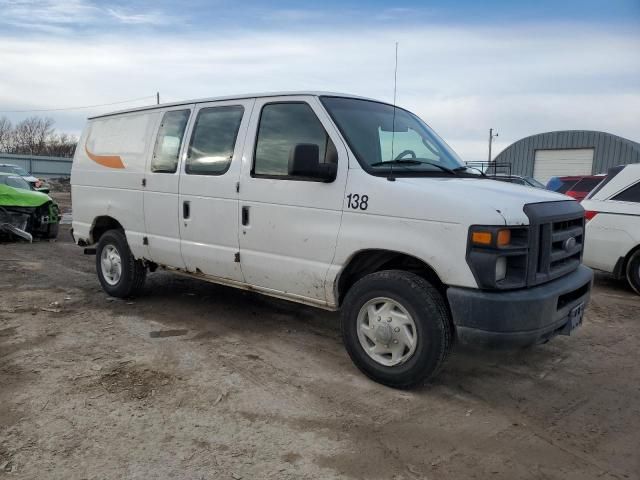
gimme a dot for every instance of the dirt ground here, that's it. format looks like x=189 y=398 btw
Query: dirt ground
x=198 y=381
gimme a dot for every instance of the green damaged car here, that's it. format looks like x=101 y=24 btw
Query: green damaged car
x=25 y=213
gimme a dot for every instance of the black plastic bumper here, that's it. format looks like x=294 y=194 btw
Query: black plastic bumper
x=511 y=319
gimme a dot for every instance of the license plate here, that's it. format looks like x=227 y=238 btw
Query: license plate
x=575 y=316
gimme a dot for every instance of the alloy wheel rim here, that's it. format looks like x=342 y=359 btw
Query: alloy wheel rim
x=386 y=331
x=111 y=264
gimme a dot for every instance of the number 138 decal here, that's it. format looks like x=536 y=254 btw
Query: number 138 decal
x=358 y=202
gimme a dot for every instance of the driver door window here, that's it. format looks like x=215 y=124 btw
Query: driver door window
x=283 y=126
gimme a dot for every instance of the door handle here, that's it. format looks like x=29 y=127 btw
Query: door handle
x=245 y=216
x=186 y=209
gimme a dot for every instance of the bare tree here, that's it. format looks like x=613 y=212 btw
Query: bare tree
x=30 y=135
x=35 y=136
x=6 y=134
x=61 y=145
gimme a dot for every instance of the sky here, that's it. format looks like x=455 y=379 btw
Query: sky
x=519 y=67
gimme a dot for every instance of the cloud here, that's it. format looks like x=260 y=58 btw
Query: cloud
x=151 y=18
x=66 y=16
x=521 y=79
x=49 y=15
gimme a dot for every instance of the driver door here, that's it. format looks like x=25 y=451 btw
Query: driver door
x=289 y=226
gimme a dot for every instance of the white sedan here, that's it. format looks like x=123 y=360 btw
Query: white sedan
x=612 y=237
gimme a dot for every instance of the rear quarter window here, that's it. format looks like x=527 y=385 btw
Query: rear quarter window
x=127 y=136
x=610 y=176
x=631 y=194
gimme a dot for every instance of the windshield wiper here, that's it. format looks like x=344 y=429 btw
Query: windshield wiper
x=411 y=161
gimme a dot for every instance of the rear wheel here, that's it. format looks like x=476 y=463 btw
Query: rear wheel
x=633 y=271
x=396 y=328
x=120 y=274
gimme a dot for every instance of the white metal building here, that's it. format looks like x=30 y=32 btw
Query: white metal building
x=570 y=152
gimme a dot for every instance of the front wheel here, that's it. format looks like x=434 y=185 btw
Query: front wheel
x=396 y=328
x=633 y=271
x=120 y=274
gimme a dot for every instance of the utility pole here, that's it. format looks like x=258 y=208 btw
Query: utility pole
x=491 y=135
x=158 y=100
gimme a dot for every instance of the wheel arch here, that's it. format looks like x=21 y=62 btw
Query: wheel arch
x=365 y=262
x=625 y=261
x=102 y=224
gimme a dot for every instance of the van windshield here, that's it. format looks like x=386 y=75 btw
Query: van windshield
x=383 y=141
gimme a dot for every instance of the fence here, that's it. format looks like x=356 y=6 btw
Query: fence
x=492 y=168
x=40 y=166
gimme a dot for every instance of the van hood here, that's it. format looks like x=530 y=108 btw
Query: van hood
x=481 y=195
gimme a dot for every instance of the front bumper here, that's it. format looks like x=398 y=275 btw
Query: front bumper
x=512 y=319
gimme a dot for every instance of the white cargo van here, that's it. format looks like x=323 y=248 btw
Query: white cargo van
x=335 y=201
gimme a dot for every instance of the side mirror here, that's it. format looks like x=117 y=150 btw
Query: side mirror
x=304 y=162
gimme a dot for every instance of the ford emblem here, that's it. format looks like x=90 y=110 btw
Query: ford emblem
x=569 y=244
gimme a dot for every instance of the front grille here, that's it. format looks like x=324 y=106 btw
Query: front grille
x=556 y=240
x=564 y=252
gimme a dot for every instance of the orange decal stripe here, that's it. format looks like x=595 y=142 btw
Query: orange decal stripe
x=111 y=161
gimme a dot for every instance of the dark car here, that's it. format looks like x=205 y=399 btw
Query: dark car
x=576 y=186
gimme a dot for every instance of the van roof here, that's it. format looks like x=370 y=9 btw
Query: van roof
x=232 y=97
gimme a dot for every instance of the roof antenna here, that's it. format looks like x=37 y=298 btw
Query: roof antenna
x=391 y=178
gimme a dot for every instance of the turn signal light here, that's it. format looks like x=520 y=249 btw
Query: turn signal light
x=589 y=214
x=503 y=237
x=482 y=238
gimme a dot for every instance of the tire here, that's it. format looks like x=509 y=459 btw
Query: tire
x=422 y=304
x=132 y=273
x=52 y=230
x=633 y=271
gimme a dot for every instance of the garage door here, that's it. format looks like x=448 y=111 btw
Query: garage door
x=559 y=163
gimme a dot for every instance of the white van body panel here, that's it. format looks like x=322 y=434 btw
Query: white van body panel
x=427 y=218
x=107 y=174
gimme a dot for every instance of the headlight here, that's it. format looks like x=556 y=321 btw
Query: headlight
x=497 y=256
